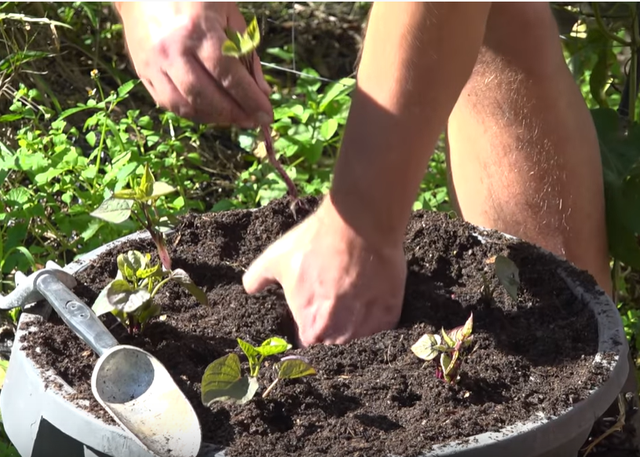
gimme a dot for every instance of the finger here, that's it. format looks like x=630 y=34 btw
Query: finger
x=259 y=76
x=166 y=94
x=235 y=79
x=262 y=272
x=210 y=104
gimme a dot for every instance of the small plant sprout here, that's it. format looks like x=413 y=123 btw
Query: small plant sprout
x=120 y=207
x=130 y=297
x=242 y=47
x=508 y=276
x=452 y=346
x=223 y=379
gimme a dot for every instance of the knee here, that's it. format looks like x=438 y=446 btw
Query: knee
x=525 y=35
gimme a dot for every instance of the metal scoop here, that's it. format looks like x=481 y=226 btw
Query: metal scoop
x=131 y=384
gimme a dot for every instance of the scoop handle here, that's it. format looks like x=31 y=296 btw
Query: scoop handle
x=77 y=315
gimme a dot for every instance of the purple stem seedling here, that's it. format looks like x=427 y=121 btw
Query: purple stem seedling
x=450 y=345
x=242 y=47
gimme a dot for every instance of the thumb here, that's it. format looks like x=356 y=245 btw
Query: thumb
x=262 y=272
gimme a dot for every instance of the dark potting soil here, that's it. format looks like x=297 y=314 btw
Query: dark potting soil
x=372 y=396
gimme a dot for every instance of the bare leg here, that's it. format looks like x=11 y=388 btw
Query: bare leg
x=524 y=156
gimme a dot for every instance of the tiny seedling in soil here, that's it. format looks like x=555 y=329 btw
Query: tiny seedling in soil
x=119 y=207
x=452 y=346
x=242 y=47
x=508 y=276
x=223 y=379
x=130 y=297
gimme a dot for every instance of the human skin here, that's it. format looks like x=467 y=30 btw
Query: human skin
x=343 y=270
x=524 y=155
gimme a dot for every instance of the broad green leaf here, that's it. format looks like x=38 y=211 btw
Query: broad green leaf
x=222 y=381
x=185 y=281
x=425 y=347
x=124 y=297
x=295 y=367
x=113 y=210
x=328 y=128
x=161 y=188
x=508 y=275
x=102 y=305
x=273 y=346
x=335 y=90
x=147 y=313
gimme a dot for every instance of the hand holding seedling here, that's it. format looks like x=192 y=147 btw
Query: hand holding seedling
x=176 y=49
x=338 y=285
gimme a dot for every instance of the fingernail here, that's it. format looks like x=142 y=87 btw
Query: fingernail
x=263 y=118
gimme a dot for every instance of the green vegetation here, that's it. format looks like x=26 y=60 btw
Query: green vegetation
x=223 y=380
x=76 y=127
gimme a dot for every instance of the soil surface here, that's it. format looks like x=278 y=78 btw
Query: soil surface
x=372 y=396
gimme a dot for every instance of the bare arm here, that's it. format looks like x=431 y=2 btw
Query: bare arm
x=343 y=269
x=417 y=58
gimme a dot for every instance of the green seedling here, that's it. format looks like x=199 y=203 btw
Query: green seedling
x=508 y=276
x=242 y=47
x=144 y=196
x=130 y=297
x=452 y=346
x=223 y=379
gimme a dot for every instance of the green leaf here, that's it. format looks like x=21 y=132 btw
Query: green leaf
x=127 y=87
x=273 y=346
x=185 y=281
x=295 y=367
x=252 y=354
x=131 y=262
x=508 y=275
x=240 y=44
x=462 y=333
x=126 y=298
x=446 y=337
x=161 y=188
x=101 y=305
x=113 y=210
x=426 y=347
x=328 y=129
x=222 y=381
x=147 y=182
x=620 y=153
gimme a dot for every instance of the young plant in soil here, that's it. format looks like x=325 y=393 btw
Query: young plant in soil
x=508 y=276
x=144 y=196
x=242 y=46
x=452 y=346
x=130 y=297
x=223 y=379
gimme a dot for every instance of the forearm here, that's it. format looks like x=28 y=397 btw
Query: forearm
x=416 y=60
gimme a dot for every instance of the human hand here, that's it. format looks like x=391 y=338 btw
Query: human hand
x=176 y=51
x=338 y=286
